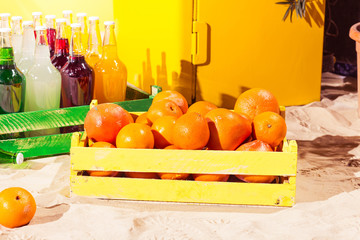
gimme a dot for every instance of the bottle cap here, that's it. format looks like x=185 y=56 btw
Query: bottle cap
x=16 y=17
x=27 y=23
x=36 y=13
x=5 y=14
x=5 y=30
x=19 y=158
x=50 y=16
x=81 y=15
x=59 y=20
x=109 y=23
x=67 y=11
x=75 y=25
x=93 y=18
x=40 y=28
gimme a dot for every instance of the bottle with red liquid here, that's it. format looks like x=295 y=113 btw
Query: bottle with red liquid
x=61 y=54
x=77 y=77
x=51 y=33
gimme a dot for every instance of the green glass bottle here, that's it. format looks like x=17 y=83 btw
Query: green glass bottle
x=12 y=81
x=10 y=157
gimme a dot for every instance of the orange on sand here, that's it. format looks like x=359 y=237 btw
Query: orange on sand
x=104 y=121
x=141 y=175
x=135 y=135
x=174 y=96
x=191 y=131
x=260 y=146
x=162 y=130
x=202 y=107
x=227 y=129
x=102 y=173
x=161 y=108
x=269 y=127
x=17 y=207
x=142 y=118
x=255 y=101
x=211 y=177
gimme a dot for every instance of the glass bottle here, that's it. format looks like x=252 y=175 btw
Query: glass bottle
x=43 y=80
x=10 y=157
x=61 y=54
x=94 y=43
x=5 y=20
x=82 y=19
x=37 y=19
x=76 y=75
x=51 y=32
x=28 y=47
x=12 y=81
x=16 y=38
x=67 y=14
x=110 y=72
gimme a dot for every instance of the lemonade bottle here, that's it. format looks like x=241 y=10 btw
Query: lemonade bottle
x=76 y=75
x=94 y=43
x=16 y=38
x=61 y=54
x=43 y=80
x=28 y=47
x=82 y=19
x=67 y=14
x=5 y=20
x=50 y=32
x=110 y=72
x=12 y=81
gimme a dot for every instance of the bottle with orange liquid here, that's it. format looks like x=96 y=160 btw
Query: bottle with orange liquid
x=94 y=43
x=82 y=19
x=110 y=72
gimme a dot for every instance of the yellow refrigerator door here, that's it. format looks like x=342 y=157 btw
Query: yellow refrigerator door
x=154 y=42
x=248 y=45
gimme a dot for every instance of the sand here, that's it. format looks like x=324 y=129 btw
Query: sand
x=327 y=195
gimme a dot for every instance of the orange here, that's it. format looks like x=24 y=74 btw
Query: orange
x=269 y=127
x=260 y=146
x=191 y=131
x=102 y=173
x=142 y=118
x=211 y=177
x=104 y=121
x=174 y=176
x=255 y=101
x=141 y=175
x=227 y=129
x=202 y=107
x=174 y=96
x=162 y=130
x=172 y=147
x=135 y=135
x=161 y=108
x=17 y=207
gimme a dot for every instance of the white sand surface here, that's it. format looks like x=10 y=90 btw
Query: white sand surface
x=327 y=197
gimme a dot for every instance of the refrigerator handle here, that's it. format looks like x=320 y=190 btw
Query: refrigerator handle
x=199 y=46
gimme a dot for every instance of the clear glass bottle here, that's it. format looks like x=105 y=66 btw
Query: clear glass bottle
x=12 y=81
x=5 y=20
x=61 y=54
x=68 y=15
x=110 y=72
x=50 y=32
x=43 y=80
x=16 y=38
x=37 y=19
x=94 y=43
x=82 y=19
x=28 y=47
x=76 y=75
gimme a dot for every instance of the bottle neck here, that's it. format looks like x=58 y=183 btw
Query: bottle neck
x=28 y=42
x=94 y=43
x=62 y=42
x=76 y=48
x=17 y=27
x=109 y=45
x=6 y=56
x=42 y=48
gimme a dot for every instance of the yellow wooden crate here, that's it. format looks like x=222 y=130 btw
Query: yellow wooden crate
x=281 y=164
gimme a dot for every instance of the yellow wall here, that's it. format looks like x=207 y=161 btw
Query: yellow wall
x=24 y=8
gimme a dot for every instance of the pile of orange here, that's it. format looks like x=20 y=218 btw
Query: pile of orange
x=253 y=125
